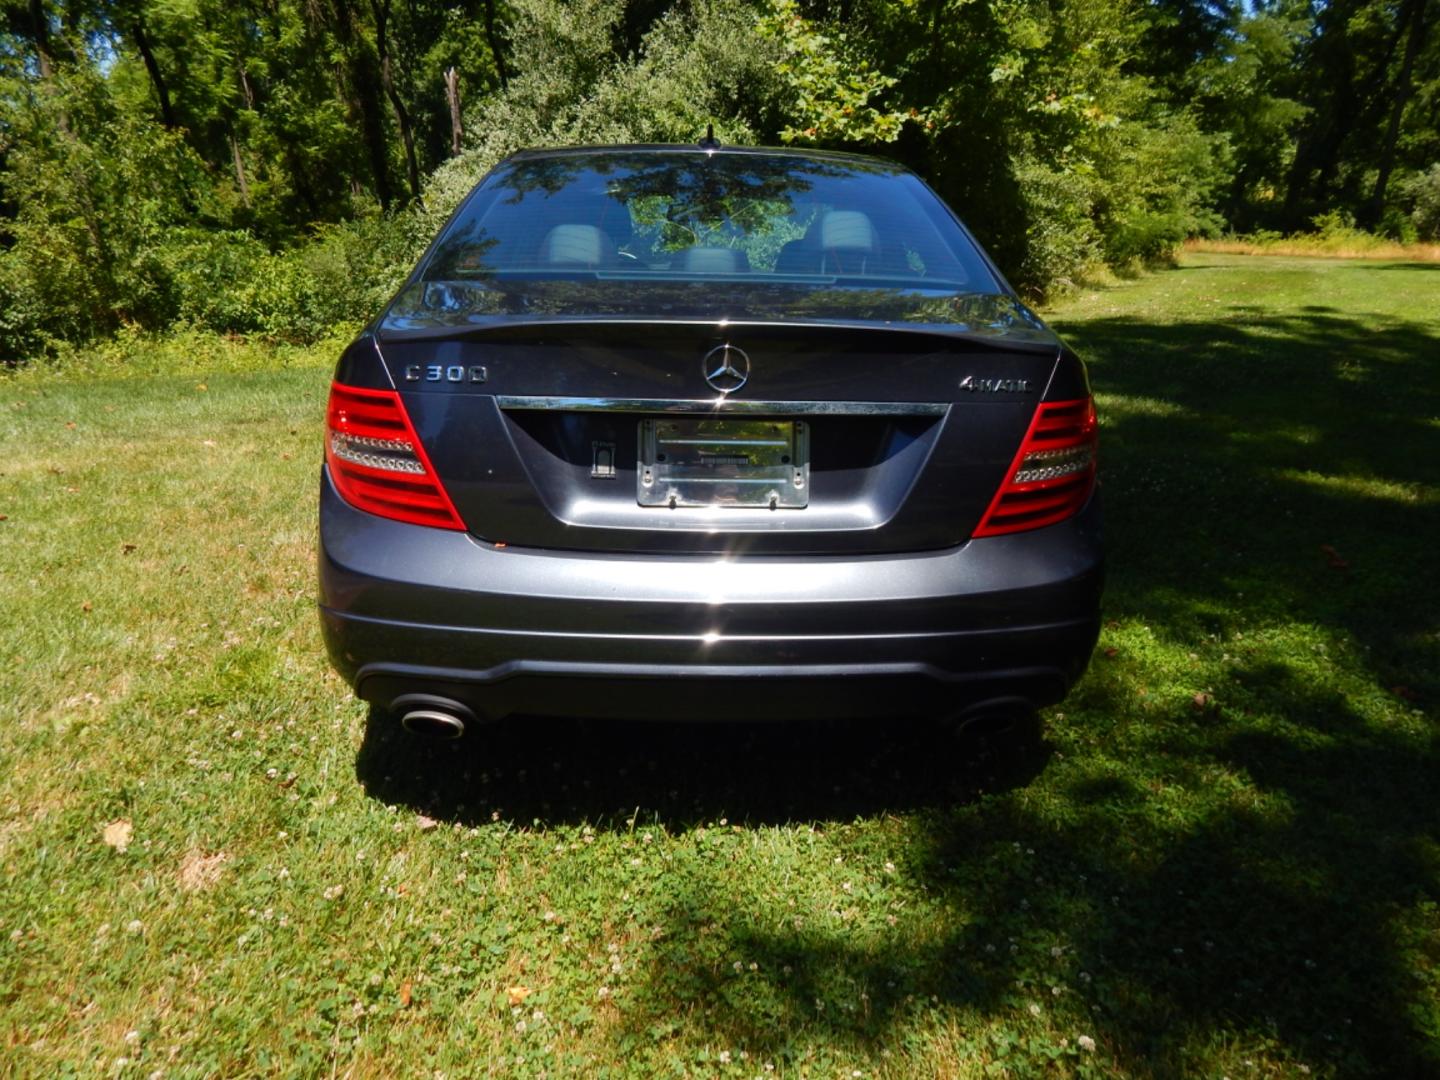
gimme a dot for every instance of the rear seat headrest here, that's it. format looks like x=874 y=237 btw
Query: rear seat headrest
x=847 y=230
x=582 y=245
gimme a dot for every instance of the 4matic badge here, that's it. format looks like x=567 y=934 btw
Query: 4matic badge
x=996 y=386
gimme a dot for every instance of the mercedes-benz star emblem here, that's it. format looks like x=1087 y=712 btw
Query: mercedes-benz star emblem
x=726 y=368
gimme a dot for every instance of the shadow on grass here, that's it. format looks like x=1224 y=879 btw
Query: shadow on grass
x=1268 y=467
x=1262 y=870
x=572 y=772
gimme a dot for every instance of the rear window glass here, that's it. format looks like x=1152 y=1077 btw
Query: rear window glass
x=695 y=217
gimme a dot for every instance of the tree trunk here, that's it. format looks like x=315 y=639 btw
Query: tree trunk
x=494 y=39
x=246 y=88
x=142 y=42
x=358 y=84
x=40 y=29
x=452 y=96
x=240 y=181
x=381 y=9
x=1414 y=13
x=301 y=182
x=374 y=128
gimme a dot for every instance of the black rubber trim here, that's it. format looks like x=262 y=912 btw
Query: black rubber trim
x=780 y=639
x=418 y=673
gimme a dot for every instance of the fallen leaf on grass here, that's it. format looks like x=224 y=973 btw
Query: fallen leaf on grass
x=425 y=823
x=117 y=834
x=405 y=994
x=517 y=994
x=86 y=606
x=1111 y=653
x=199 y=871
x=127 y=548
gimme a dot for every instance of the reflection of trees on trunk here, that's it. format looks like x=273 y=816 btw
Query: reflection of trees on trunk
x=455 y=306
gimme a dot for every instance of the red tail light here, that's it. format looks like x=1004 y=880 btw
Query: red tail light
x=1052 y=475
x=377 y=463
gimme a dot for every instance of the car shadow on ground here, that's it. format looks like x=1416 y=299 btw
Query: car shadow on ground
x=680 y=775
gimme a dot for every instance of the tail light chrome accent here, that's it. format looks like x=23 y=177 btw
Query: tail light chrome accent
x=376 y=460
x=1052 y=475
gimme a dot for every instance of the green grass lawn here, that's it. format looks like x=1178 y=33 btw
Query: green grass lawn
x=1226 y=860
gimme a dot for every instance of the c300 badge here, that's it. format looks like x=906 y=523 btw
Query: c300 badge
x=995 y=386
x=453 y=373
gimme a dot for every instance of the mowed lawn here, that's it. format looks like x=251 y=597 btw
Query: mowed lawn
x=1225 y=860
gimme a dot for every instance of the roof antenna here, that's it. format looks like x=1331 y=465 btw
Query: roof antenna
x=709 y=142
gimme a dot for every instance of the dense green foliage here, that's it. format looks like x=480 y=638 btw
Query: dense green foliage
x=273 y=166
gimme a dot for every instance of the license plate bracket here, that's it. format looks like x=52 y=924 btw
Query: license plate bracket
x=714 y=462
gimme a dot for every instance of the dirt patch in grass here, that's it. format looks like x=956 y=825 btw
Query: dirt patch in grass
x=199 y=871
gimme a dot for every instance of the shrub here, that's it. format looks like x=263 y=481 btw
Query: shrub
x=1062 y=241
x=1423 y=190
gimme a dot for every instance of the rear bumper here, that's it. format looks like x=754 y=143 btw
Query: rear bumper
x=407 y=609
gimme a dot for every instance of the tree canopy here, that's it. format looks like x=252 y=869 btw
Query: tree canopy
x=274 y=166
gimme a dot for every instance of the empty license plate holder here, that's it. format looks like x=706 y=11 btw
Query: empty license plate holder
x=712 y=462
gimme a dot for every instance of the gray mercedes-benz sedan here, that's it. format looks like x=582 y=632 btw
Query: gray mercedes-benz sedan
x=707 y=433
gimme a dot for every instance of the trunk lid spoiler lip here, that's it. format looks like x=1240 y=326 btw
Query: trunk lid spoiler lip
x=1021 y=337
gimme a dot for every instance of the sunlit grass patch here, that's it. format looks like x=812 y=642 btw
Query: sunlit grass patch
x=1370 y=487
x=1120 y=404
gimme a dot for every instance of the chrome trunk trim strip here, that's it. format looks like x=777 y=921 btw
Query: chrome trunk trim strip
x=724 y=405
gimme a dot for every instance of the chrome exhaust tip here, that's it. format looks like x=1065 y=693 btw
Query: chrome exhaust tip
x=433 y=723
x=432 y=717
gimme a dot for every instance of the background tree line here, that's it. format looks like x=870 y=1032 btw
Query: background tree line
x=274 y=166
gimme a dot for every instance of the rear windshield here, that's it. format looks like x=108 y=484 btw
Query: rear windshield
x=755 y=218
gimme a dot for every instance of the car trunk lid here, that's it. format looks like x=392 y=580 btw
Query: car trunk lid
x=543 y=430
